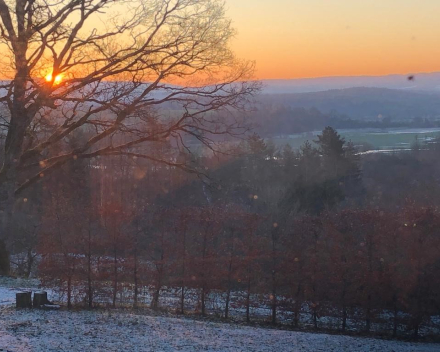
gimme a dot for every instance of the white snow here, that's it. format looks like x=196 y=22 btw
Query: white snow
x=124 y=330
x=9 y=287
x=26 y=330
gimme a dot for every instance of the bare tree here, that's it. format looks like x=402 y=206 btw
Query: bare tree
x=106 y=67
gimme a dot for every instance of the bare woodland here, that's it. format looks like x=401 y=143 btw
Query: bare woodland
x=105 y=68
x=129 y=169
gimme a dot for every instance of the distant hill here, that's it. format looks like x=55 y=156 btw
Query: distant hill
x=363 y=103
x=428 y=82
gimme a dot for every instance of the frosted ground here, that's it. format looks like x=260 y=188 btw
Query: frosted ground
x=118 y=330
x=121 y=331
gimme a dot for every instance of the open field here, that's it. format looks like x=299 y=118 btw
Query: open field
x=25 y=330
x=127 y=330
x=391 y=138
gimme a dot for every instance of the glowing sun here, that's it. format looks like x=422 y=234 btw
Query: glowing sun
x=57 y=80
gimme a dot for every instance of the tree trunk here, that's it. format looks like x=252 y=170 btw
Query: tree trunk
x=228 y=293
x=344 y=308
x=248 y=301
x=344 y=317
x=135 y=274
x=89 y=281
x=23 y=300
x=21 y=116
x=4 y=259
x=274 y=276
x=89 y=269
x=370 y=274
x=182 y=289
x=20 y=119
x=228 y=297
x=160 y=273
x=204 y=264
x=315 y=318
x=7 y=209
x=274 y=308
x=315 y=315
x=182 y=300
x=182 y=286
x=155 y=301
x=30 y=263
x=203 y=301
x=69 y=292
x=395 y=320
x=296 y=314
x=297 y=306
x=368 y=315
x=115 y=278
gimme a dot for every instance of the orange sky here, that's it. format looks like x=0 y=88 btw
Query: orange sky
x=313 y=38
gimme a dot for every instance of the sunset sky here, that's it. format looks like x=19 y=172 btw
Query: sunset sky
x=314 y=38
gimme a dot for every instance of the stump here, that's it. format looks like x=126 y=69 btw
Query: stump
x=40 y=299
x=23 y=300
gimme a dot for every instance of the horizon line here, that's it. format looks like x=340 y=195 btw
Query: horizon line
x=350 y=76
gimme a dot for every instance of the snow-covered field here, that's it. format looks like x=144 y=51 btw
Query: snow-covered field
x=9 y=286
x=119 y=330
x=24 y=330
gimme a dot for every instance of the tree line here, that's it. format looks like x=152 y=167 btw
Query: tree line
x=354 y=265
x=294 y=232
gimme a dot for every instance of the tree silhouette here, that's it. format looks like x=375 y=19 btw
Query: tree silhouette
x=67 y=73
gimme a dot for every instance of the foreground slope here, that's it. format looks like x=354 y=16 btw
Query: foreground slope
x=23 y=330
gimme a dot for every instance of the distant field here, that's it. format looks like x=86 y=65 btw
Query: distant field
x=365 y=139
x=375 y=138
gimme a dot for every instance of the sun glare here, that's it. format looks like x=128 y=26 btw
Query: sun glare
x=57 y=80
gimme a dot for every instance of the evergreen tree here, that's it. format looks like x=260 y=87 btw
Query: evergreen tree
x=256 y=145
x=330 y=143
x=353 y=175
x=331 y=148
x=290 y=161
x=309 y=163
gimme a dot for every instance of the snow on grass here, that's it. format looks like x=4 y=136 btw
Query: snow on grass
x=119 y=330
x=9 y=287
x=35 y=330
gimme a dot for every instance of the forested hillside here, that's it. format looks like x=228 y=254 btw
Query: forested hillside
x=319 y=232
x=346 y=108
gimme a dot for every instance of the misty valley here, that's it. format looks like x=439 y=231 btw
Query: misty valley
x=219 y=175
